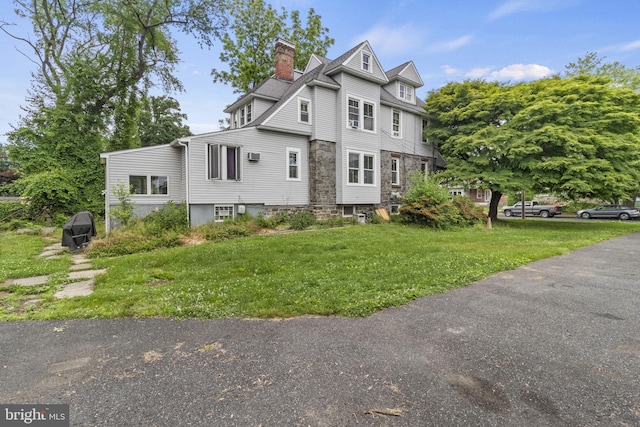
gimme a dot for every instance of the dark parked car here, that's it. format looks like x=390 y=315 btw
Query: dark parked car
x=609 y=211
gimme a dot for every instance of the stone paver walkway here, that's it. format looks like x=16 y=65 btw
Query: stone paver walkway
x=81 y=269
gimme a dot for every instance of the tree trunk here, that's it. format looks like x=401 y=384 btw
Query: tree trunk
x=493 y=205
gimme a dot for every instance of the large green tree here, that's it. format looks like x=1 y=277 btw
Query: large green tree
x=468 y=123
x=248 y=48
x=96 y=60
x=594 y=65
x=577 y=137
x=161 y=121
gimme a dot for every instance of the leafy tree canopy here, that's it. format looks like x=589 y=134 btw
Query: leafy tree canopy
x=161 y=121
x=592 y=64
x=96 y=61
x=248 y=48
x=577 y=137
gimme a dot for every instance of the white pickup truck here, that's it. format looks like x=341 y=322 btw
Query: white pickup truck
x=532 y=208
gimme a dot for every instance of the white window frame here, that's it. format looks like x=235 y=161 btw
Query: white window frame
x=242 y=117
x=221 y=212
x=248 y=109
x=361 y=168
x=307 y=102
x=298 y=165
x=358 y=113
x=365 y=61
x=396 y=133
x=149 y=185
x=405 y=92
x=348 y=208
x=221 y=171
x=395 y=171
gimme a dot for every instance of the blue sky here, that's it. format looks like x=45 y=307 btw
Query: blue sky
x=448 y=40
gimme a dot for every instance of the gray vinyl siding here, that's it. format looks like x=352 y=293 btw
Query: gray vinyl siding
x=287 y=116
x=160 y=160
x=260 y=106
x=357 y=140
x=411 y=137
x=325 y=119
x=355 y=63
x=410 y=73
x=264 y=181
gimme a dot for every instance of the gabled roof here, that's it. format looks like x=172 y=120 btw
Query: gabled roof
x=388 y=99
x=316 y=76
x=340 y=64
x=406 y=72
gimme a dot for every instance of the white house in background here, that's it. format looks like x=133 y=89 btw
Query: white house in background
x=339 y=138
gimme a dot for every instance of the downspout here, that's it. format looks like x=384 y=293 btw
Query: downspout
x=107 y=220
x=183 y=143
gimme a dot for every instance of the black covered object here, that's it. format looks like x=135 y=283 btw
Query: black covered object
x=78 y=230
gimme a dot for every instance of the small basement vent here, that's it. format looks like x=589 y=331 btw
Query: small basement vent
x=253 y=157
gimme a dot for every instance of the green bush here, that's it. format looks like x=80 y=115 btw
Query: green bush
x=216 y=232
x=427 y=203
x=301 y=220
x=470 y=214
x=130 y=241
x=170 y=217
x=11 y=209
x=273 y=221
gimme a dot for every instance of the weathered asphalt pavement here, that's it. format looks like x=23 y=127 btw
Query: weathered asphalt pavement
x=555 y=343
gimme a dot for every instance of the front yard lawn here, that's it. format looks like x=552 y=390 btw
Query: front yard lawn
x=353 y=271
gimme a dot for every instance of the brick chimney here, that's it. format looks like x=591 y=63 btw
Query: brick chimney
x=285 y=59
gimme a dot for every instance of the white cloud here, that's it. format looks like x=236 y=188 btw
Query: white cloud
x=477 y=73
x=515 y=6
x=521 y=72
x=630 y=46
x=449 y=70
x=390 y=41
x=451 y=45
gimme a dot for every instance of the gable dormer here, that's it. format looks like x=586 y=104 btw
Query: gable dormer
x=360 y=61
x=403 y=82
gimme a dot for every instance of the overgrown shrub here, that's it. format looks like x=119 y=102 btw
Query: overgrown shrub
x=273 y=221
x=50 y=192
x=216 y=232
x=12 y=210
x=170 y=217
x=130 y=240
x=123 y=212
x=427 y=203
x=301 y=220
x=470 y=214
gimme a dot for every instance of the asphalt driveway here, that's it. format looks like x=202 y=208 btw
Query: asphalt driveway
x=554 y=343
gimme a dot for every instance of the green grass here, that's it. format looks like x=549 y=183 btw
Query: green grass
x=353 y=271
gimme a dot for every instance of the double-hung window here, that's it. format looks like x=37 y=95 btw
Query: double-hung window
x=368 y=116
x=361 y=114
x=293 y=164
x=361 y=168
x=396 y=124
x=395 y=171
x=224 y=162
x=366 y=62
x=405 y=92
x=354 y=112
x=242 y=112
x=303 y=111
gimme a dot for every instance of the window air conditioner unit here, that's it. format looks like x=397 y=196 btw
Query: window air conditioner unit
x=354 y=123
x=253 y=157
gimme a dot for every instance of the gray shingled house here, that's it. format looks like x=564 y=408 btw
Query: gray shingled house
x=339 y=138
